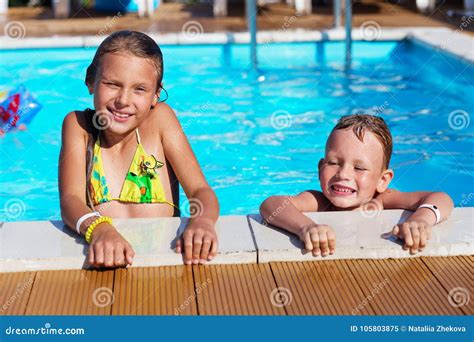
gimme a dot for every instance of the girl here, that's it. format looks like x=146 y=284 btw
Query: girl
x=124 y=159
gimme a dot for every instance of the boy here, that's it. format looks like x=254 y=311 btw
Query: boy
x=354 y=175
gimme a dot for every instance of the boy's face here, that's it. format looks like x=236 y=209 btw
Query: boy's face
x=352 y=171
x=124 y=91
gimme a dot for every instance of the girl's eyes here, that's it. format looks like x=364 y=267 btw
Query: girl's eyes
x=111 y=84
x=330 y=162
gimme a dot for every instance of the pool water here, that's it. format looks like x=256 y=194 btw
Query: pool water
x=255 y=137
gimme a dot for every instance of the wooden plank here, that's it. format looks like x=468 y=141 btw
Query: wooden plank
x=401 y=287
x=15 y=289
x=72 y=292
x=456 y=274
x=236 y=290
x=319 y=288
x=165 y=290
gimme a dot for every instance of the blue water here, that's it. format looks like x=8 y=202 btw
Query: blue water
x=227 y=113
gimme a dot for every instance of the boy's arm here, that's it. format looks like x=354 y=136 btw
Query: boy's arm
x=199 y=239
x=108 y=247
x=287 y=212
x=393 y=199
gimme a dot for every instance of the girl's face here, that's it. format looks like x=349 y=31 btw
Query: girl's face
x=352 y=171
x=124 y=91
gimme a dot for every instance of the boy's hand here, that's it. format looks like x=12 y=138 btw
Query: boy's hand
x=108 y=248
x=318 y=238
x=414 y=234
x=199 y=241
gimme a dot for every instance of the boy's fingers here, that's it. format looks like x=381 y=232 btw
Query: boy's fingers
x=415 y=235
x=331 y=241
x=307 y=243
x=206 y=246
x=323 y=242
x=396 y=230
x=423 y=238
x=315 y=243
x=197 y=246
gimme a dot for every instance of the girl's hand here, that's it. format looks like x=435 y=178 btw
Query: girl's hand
x=108 y=248
x=319 y=239
x=199 y=241
x=414 y=233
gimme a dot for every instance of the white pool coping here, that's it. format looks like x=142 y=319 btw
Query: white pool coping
x=48 y=245
x=441 y=38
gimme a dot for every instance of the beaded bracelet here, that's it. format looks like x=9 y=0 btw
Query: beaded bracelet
x=94 y=224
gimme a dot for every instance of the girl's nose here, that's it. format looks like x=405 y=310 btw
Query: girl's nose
x=122 y=99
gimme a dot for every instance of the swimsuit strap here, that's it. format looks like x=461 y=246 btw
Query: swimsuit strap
x=138 y=137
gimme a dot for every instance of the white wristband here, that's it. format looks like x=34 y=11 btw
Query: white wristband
x=434 y=209
x=83 y=218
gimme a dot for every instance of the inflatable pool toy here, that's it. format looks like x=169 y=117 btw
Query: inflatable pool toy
x=19 y=108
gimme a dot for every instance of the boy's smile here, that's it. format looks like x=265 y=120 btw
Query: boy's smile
x=352 y=171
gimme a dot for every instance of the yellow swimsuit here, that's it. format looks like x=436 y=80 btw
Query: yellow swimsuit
x=142 y=183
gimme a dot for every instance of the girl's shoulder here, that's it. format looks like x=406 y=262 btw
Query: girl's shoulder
x=164 y=117
x=75 y=124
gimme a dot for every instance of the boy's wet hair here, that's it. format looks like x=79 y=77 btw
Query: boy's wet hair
x=375 y=124
x=136 y=44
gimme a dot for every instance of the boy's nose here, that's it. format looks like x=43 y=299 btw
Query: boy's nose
x=344 y=172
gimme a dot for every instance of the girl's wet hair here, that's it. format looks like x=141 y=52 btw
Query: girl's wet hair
x=134 y=43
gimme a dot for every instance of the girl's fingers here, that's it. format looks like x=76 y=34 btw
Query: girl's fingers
x=90 y=258
x=315 y=243
x=197 y=246
x=119 y=257
x=129 y=254
x=178 y=245
x=213 y=251
x=396 y=230
x=188 y=248
x=206 y=246
x=98 y=255
x=406 y=235
x=109 y=257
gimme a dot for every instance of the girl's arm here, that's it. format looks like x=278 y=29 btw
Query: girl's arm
x=287 y=212
x=199 y=239
x=416 y=230
x=108 y=247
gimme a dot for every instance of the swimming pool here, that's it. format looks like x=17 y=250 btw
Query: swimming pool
x=257 y=137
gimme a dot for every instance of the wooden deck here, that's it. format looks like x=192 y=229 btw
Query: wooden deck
x=415 y=286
